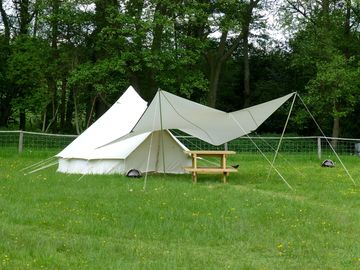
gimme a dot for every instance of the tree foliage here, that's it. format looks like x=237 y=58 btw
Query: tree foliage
x=325 y=45
x=65 y=62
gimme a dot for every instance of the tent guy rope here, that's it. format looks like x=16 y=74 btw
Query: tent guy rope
x=262 y=153
x=332 y=148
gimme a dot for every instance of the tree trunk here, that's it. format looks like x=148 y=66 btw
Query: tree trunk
x=158 y=30
x=24 y=23
x=69 y=111
x=247 y=19
x=215 y=70
x=24 y=16
x=36 y=19
x=134 y=80
x=335 y=131
x=347 y=29
x=247 y=100
x=63 y=104
x=216 y=59
x=5 y=20
x=100 y=107
x=5 y=101
x=76 y=114
x=51 y=109
x=5 y=111
x=22 y=124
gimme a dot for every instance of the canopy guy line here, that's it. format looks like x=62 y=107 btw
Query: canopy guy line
x=262 y=153
x=282 y=136
x=280 y=155
x=195 y=147
x=81 y=177
x=332 y=148
x=189 y=142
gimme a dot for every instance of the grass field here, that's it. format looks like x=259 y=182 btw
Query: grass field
x=55 y=221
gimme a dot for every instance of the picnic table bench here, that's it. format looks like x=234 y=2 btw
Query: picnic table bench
x=221 y=169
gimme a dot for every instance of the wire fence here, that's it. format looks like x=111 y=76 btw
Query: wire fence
x=32 y=141
x=320 y=146
x=313 y=145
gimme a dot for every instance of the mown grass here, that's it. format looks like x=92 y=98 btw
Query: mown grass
x=55 y=221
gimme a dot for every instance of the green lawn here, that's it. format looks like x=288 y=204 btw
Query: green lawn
x=55 y=221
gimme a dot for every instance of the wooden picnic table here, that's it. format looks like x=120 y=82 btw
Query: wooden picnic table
x=221 y=169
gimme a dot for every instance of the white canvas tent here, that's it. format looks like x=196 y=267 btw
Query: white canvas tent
x=167 y=111
x=144 y=151
x=130 y=135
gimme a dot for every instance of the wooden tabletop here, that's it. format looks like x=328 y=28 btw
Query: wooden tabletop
x=210 y=152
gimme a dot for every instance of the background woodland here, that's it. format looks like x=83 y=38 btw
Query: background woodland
x=63 y=63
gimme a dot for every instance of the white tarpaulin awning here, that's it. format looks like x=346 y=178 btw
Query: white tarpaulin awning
x=168 y=111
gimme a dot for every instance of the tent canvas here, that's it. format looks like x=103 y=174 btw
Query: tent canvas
x=168 y=111
x=84 y=156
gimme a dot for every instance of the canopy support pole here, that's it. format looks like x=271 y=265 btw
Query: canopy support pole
x=162 y=135
x=149 y=153
x=282 y=136
x=332 y=148
x=262 y=153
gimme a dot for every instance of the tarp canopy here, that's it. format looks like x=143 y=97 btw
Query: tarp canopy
x=168 y=111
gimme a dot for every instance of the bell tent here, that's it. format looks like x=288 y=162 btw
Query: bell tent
x=145 y=152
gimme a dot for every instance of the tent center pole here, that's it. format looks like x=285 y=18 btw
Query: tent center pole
x=162 y=135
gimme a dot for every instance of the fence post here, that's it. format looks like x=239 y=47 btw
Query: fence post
x=21 y=141
x=319 y=147
x=226 y=146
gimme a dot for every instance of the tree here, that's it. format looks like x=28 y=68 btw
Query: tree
x=247 y=19
x=5 y=51
x=156 y=50
x=5 y=83
x=326 y=42
x=26 y=67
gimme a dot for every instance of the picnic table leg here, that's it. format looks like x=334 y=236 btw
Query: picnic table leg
x=223 y=165
x=224 y=177
x=194 y=165
x=194 y=177
x=223 y=161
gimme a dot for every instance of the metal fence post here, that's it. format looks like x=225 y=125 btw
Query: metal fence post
x=319 y=147
x=21 y=141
